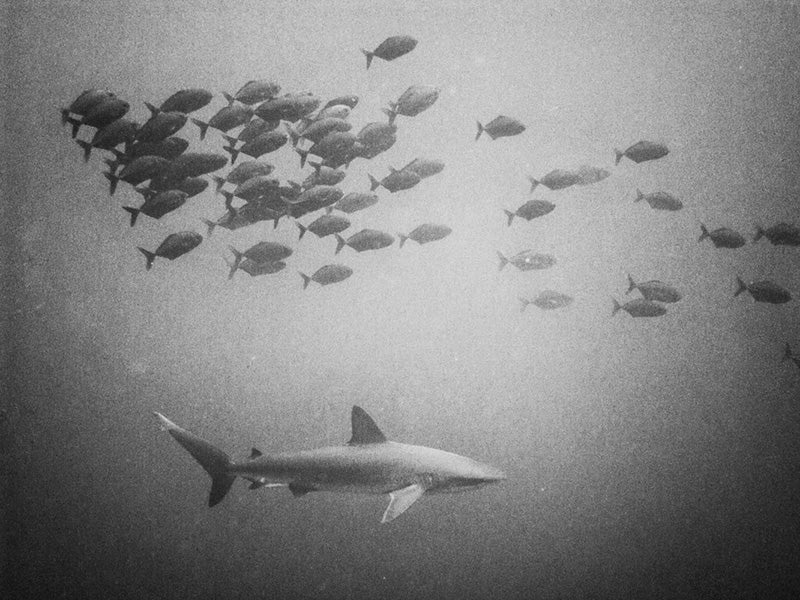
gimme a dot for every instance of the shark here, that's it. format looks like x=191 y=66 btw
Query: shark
x=369 y=464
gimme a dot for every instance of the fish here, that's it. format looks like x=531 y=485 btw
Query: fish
x=369 y=463
x=85 y=102
x=333 y=144
x=659 y=200
x=376 y=138
x=355 y=201
x=588 y=175
x=170 y=148
x=782 y=234
x=789 y=355
x=558 y=179
x=639 y=308
x=121 y=131
x=244 y=171
x=763 y=291
x=366 y=239
x=324 y=226
x=348 y=100
x=189 y=164
x=427 y=232
x=336 y=111
x=530 y=210
x=317 y=130
x=258 y=146
x=314 y=198
x=656 y=291
x=227 y=118
x=104 y=113
x=191 y=185
x=254 y=188
x=234 y=218
x=412 y=102
x=500 y=126
x=291 y=107
x=262 y=252
x=722 y=237
x=425 y=167
x=186 y=101
x=254 y=128
x=547 y=300
x=323 y=175
x=642 y=151
x=158 y=205
x=255 y=269
x=527 y=260
x=327 y=275
x=395 y=181
x=391 y=48
x=255 y=91
x=161 y=125
x=138 y=171
x=173 y=246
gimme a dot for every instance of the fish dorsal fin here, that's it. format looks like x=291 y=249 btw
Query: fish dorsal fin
x=365 y=431
x=255 y=453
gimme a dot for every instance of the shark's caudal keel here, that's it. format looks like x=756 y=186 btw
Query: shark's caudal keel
x=369 y=463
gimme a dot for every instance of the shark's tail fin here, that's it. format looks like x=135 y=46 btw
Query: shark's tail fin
x=212 y=459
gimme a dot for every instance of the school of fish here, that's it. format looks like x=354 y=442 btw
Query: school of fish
x=259 y=120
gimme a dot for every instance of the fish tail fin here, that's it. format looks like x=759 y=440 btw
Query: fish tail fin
x=76 y=125
x=64 y=116
x=618 y=157
x=616 y=307
x=303 y=230
x=228 y=98
x=524 y=302
x=391 y=113
x=149 y=256
x=741 y=286
x=231 y=149
x=374 y=184
x=228 y=198
x=510 y=216
x=631 y=284
x=303 y=156
x=639 y=195
x=480 y=131
x=112 y=180
x=293 y=134
x=703 y=233
x=369 y=56
x=503 y=261
x=759 y=233
x=134 y=213
x=340 y=243
x=306 y=279
x=215 y=462
x=87 y=149
x=238 y=259
x=403 y=239
x=534 y=182
x=220 y=181
x=153 y=110
x=211 y=225
x=203 y=127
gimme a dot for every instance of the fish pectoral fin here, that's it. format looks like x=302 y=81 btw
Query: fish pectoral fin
x=400 y=500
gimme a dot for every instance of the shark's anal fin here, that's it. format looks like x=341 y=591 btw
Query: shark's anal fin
x=400 y=500
x=365 y=431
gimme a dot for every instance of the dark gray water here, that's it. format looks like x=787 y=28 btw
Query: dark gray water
x=646 y=458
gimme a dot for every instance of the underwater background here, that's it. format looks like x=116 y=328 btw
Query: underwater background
x=646 y=458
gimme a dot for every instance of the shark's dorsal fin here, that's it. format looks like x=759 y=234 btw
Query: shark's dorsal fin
x=365 y=431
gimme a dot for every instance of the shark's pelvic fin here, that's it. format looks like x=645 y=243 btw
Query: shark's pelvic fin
x=365 y=431
x=400 y=500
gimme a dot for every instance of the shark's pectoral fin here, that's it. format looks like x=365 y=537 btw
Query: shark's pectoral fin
x=400 y=500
